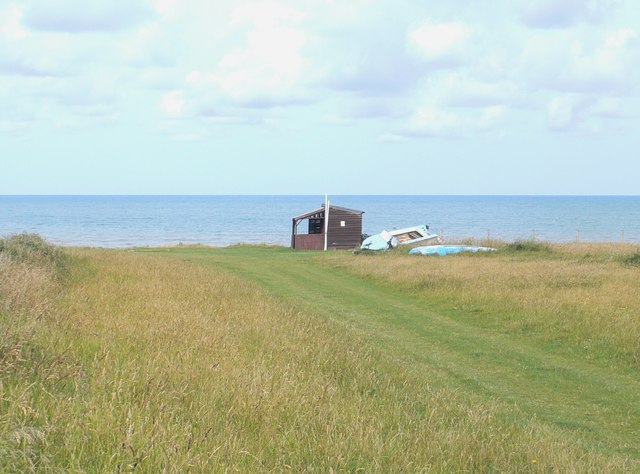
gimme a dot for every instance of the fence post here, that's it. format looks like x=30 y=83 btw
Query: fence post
x=533 y=234
x=622 y=236
x=577 y=236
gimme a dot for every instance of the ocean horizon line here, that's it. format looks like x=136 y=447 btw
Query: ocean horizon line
x=322 y=194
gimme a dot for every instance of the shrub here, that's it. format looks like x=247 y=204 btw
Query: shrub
x=33 y=250
x=632 y=260
x=528 y=246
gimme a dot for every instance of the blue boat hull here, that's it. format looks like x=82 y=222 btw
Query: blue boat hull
x=448 y=249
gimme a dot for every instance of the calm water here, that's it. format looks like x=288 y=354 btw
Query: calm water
x=123 y=221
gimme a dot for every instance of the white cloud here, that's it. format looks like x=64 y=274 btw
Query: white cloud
x=436 y=40
x=372 y=61
x=431 y=121
x=149 y=46
x=11 y=27
x=609 y=107
x=606 y=70
x=271 y=62
x=165 y=7
x=245 y=62
x=562 y=113
x=609 y=67
x=265 y=14
x=460 y=91
x=620 y=38
x=266 y=68
x=584 y=112
x=491 y=116
x=173 y=103
x=15 y=127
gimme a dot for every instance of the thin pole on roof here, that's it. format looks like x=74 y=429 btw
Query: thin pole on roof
x=326 y=220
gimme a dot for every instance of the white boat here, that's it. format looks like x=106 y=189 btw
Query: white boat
x=392 y=238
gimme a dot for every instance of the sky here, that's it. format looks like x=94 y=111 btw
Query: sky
x=320 y=96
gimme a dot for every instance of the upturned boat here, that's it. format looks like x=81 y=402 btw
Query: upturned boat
x=392 y=238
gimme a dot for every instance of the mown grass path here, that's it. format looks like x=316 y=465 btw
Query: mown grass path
x=597 y=406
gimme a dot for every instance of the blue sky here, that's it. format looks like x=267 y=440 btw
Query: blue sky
x=319 y=96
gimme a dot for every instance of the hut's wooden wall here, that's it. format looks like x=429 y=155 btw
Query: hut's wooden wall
x=347 y=237
x=308 y=242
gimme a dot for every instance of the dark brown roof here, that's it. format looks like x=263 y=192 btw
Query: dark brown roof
x=320 y=212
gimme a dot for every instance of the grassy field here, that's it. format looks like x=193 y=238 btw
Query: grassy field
x=249 y=358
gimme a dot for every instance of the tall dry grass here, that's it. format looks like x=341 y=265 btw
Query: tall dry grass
x=30 y=273
x=581 y=295
x=155 y=365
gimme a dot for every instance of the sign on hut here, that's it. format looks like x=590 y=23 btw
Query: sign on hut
x=337 y=228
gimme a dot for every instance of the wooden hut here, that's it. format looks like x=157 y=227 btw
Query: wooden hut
x=343 y=230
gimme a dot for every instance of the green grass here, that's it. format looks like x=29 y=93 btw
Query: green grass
x=596 y=402
x=528 y=246
x=260 y=359
x=632 y=259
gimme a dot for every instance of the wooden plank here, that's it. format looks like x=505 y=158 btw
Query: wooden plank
x=309 y=242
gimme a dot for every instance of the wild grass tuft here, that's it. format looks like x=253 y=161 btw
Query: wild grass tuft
x=528 y=246
x=34 y=251
x=632 y=260
x=31 y=271
x=32 y=274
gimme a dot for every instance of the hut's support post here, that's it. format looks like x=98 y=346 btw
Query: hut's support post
x=293 y=234
x=326 y=220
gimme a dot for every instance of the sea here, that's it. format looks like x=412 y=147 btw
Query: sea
x=138 y=221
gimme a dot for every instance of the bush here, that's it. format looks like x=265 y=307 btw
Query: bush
x=33 y=250
x=528 y=246
x=632 y=260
